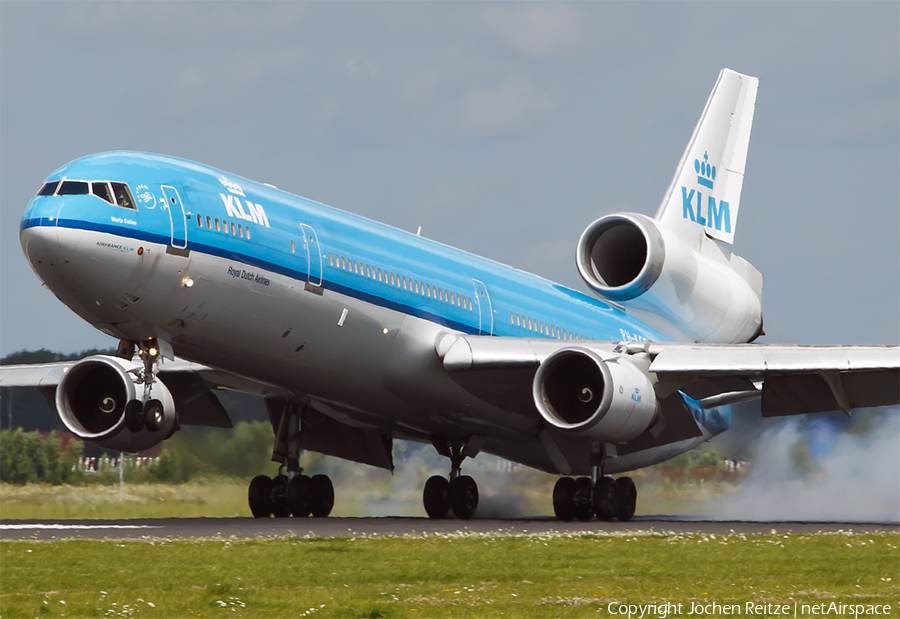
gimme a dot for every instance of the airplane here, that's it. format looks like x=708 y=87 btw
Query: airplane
x=357 y=334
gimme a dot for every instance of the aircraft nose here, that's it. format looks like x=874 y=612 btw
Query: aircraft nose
x=37 y=235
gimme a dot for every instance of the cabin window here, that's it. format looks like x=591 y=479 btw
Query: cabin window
x=247 y=230
x=123 y=195
x=232 y=228
x=48 y=189
x=208 y=222
x=73 y=188
x=101 y=190
x=330 y=258
x=217 y=224
x=404 y=282
x=356 y=267
x=199 y=220
x=512 y=319
x=240 y=231
x=292 y=246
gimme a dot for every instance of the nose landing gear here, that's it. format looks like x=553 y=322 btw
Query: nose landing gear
x=147 y=412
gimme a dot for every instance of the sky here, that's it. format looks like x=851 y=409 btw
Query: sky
x=503 y=129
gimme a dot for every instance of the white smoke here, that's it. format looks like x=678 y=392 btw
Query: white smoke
x=858 y=480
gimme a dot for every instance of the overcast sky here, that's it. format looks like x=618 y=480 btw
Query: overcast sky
x=504 y=129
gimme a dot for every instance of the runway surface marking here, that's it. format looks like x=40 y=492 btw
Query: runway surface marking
x=4 y=527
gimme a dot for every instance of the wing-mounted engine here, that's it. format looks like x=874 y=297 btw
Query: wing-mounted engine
x=97 y=395
x=703 y=291
x=603 y=397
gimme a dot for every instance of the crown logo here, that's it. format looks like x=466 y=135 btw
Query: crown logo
x=231 y=187
x=706 y=173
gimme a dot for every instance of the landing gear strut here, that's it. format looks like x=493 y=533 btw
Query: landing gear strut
x=290 y=493
x=458 y=492
x=147 y=412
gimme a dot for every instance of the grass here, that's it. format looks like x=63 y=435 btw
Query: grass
x=462 y=575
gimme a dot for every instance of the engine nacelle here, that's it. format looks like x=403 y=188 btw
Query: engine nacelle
x=704 y=292
x=91 y=399
x=610 y=400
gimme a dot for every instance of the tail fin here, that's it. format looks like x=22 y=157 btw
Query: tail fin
x=705 y=193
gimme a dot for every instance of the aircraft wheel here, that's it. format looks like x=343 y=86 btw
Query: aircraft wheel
x=277 y=497
x=154 y=415
x=564 y=499
x=584 y=509
x=256 y=496
x=606 y=498
x=298 y=496
x=321 y=495
x=134 y=415
x=463 y=496
x=627 y=498
x=434 y=496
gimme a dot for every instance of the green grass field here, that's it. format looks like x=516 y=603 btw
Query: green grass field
x=466 y=575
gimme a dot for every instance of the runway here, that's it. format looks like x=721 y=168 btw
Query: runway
x=191 y=528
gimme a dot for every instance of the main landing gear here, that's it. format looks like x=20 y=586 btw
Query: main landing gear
x=582 y=498
x=290 y=493
x=458 y=492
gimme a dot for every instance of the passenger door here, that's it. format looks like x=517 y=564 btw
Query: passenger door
x=313 y=255
x=484 y=307
x=177 y=218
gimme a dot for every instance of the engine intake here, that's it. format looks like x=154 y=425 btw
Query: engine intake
x=91 y=400
x=611 y=400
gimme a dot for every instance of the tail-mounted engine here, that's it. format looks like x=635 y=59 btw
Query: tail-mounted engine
x=706 y=293
x=610 y=400
x=97 y=401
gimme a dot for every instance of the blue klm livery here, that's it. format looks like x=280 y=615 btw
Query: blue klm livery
x=258 y=227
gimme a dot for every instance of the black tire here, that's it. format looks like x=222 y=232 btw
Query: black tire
x=154 y=415
x=434 y=496
x=321 y=495
x=256 y=496
x=627 y=498
x=298 y=496
x=564 y=499
x=276 y=500
x=134 y=415
x=462 y=494
x=606 y=498
x=584 y=506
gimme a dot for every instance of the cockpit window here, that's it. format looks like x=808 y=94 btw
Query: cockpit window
x=117 y=194
x=48 y=189
x=123 y=195
x=73 y=188
x=101 y=190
